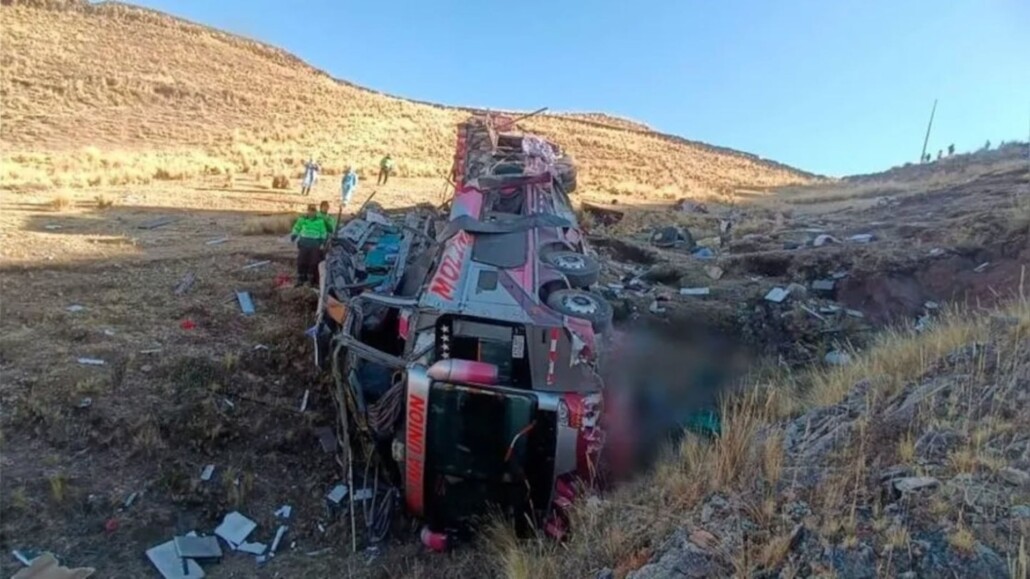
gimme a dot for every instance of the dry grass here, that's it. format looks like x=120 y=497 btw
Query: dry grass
x=62 y=203
x=84 y=80
x=269 y=224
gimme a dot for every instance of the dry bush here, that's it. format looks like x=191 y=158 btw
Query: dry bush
x=280 y=182
x=103 y=202
x=61 y=203
x=269 y=224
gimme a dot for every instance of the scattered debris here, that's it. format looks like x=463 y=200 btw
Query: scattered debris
x=253 y=548
x=1012 y=476
x=839 y=274
x=261 y=347
x=776 y=295
x=861 y=238
x=108 y=332
x=837 y=358
x=687 y=206
x=246 y=303
x=695 y=291
x=235 y=528
x=284 y=512
x=654 y=308
x=130 y=500
x=854 y=313
x=159 y=222
x=831 y=309
x=24 y=557
x=936 y=252
x=185 y=283
x=713 y=271
x=46 y=566
x=337 y=494
x=797 y=290
x=603 y=215
x=256 y=264
x=703 y=253
x=821 y=240
x=207 y=473
x=218 y=241
x=52 y=227
x=188 y=324
x=75 y=308
x=362 y=494
x=671 y=236
x=824 y=285
x=923 y=323
x=198 y=547
x=91 y=361
x=304 y=401
x=171 y=566
x=915 y=483
x=813 y=313
x=932 y=305
x=85 y=402
x=981 y=267
x=279 y=533
x=151 y=351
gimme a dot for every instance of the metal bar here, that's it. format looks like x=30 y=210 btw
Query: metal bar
x=926 y=139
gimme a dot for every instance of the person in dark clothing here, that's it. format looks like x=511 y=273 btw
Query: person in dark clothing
x=309 y=232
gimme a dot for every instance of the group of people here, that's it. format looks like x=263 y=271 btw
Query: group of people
x=312 y=230
x=349 y=183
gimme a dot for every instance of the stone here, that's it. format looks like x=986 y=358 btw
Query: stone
x=821 y=240
x=861 y=238
x=605 y=573
x=1014 y=476
x=934 y=446
x=713 y=271
x=704 y=539
x=914 y=484
x=797 y=290
x=837 y=358
x=682 y=558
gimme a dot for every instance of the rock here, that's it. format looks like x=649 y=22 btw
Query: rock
x=837 y=358
x=704 y=539
x=821 y=240
x=682 y=558
x=654 y=308
x=1020 y=511
x=1014 y=476
x=935 y=445
x=914 y=484
x=605 y=573
x=713 y=271
x=855 y=563
x=797 y=290
x=861 y=238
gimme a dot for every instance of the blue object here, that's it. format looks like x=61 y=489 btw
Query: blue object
x=703 y=253
x=310 y=332
x=246 y=304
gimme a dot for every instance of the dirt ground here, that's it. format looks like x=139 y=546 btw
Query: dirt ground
x=188 y=380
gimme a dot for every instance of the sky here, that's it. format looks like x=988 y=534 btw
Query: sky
x=833 y=87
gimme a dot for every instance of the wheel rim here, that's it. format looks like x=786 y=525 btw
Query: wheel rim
x=570 y=261
x=581 y=304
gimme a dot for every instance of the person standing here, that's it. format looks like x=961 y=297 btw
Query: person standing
x=348 y=185
x=309 y=232
x=311 y=170
x=385 y=168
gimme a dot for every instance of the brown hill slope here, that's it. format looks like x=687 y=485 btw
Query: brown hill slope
x=113 y=94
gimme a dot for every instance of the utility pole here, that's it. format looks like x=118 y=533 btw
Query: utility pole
x=926 y=139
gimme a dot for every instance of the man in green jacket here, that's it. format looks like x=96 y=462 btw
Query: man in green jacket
x=385 y=168
x=309 y=232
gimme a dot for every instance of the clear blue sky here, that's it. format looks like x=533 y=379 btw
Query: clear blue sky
x=834 y=87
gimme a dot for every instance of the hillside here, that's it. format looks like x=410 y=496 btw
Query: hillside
x=114 y=94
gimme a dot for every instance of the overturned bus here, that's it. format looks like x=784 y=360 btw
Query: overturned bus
x=465 y=345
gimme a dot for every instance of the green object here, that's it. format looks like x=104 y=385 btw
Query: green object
x=330 y=223
x=311 y=227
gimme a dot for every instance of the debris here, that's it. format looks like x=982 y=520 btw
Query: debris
x=703 y=253
x=228 y=403
x=669 y=236
x=839 y=274
x=603 y=215
x=111 y=525
x=861 y=238
x=85 y=403
x=654 y=308
x=687 y=206
x=829 y=309
x=854 y=313
x=813 y=313
x=821 y=240
x=235 y=528
x=362 y=494
x=283 y=280
x=837 y=358
x=171 y=566
x=185 y=284
x=91 y=362
x=209 y=470
x=337 y=494
x=253 y=548
x=52 y=227
x=304 y=401
x=915 y=483
x=797 y=290
x=130 y=500
x=46 y=566
x=326 y=438
x=108 y=332
x=279 y=533
x=24 y=557
x=923 y=323
x=198 y=547
x=246 y=303
x=187 y=324
x=823 y=285
x=776 y=295
x=932 y=305
x=713 y=271
x=261 y=347
x=981 y=267
x=284 y=512
x=936 y=252
x=319 y=552
x=791 y=245
x=74 y=308
x=218 y=241
x=146 y=368
x=256 y=264
x=695 y=291
x=159 y=222
x=151 y=351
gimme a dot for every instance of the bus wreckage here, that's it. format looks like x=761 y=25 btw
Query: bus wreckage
x=466 y=348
